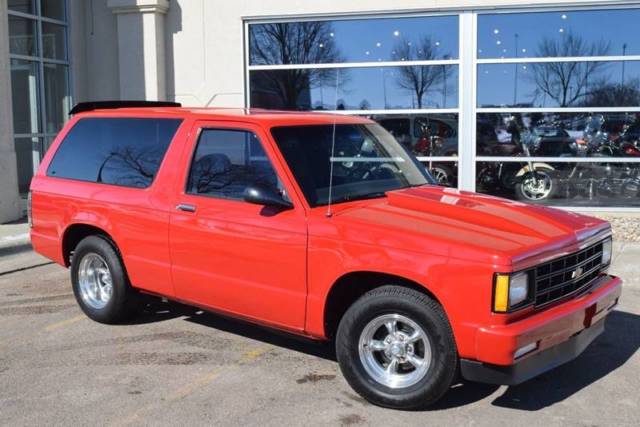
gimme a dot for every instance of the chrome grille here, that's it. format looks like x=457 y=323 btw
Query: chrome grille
x=567 y=275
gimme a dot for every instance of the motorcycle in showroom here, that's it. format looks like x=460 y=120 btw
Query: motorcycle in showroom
x=538 y=182
x=535 y=181
x=614 y=179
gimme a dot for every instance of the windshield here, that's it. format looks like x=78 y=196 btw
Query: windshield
x=367 y=161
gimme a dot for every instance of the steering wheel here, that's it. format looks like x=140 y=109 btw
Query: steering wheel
x=380 y=171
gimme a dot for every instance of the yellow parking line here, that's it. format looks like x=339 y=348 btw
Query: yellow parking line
x=64 y=323
x=254 y=354
x=178 y=394
x=193 y=386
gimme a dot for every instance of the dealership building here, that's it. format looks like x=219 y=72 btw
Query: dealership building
x=530 y=100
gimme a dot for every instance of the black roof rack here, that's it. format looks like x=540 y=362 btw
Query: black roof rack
x=101 y=105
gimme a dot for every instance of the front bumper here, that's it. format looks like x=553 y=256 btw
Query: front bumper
x=561 y=334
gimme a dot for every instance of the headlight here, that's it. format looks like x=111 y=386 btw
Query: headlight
x=607 y=247
x=510 y=290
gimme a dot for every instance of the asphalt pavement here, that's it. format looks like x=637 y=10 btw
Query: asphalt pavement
x=175 y=365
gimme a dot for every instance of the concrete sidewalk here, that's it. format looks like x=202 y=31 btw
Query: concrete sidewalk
x=14 y=234
x=16 y=253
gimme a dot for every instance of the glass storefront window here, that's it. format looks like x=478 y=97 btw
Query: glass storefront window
x=40 y=87
x=354 y=40
x=575 y=184
x=28 y=159
x=54 y=9
x=56 y=94
x=371 y=88
x=23 y=6
x=559 y=84
x=25 y=98
x=427 y=136
x=423 y=134
x=559 y=87
x=558 y=33
x=589 y=134
x=543 y=111
x=22 y=36
x=54 y=41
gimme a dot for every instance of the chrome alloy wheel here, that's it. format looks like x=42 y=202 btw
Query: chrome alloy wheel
x=94 y=280
x=441 y=176
x=538 y=187
x=395 y=351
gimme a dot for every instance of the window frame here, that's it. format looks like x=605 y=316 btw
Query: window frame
x=45 y=138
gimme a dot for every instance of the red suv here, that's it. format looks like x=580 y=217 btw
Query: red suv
x=324 y=226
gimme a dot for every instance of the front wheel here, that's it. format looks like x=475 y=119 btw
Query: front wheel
x=536 y=187
x=443 y=175
x=395 y=347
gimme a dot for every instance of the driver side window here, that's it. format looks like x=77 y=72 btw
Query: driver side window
x=226 y=161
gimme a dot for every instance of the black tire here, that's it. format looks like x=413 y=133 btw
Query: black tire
x=427 y=314
x=124 y=300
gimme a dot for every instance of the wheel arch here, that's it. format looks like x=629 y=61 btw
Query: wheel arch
x=74 y=233
x=351 y=286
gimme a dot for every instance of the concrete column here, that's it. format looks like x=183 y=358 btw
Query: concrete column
x=9 y=197
x=141 y=48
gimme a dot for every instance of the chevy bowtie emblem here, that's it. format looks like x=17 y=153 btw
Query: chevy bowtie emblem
x=576 y=273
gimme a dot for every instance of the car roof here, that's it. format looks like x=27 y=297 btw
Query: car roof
x=268 y=118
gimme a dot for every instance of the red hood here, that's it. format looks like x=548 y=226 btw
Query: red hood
x=471 y=224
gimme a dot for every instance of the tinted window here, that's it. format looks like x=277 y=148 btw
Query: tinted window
x=122 y=151
x=226 y=161
x=354 y=40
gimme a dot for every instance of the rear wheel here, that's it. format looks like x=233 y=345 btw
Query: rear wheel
x=396 y=349
x=100 y=283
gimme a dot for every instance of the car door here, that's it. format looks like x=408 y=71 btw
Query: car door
x=230 y=255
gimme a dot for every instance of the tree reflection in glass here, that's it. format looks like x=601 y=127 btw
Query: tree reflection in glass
x=567 y=82
x=294 y=43
x=416 y=79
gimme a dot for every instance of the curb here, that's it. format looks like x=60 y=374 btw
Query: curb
x=14 y=240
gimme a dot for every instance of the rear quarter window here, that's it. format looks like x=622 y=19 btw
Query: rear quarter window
x=118 y=151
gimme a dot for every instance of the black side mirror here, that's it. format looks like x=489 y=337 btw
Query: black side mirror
x=261 y=195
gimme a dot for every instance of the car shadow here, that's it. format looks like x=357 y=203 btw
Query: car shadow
x=607 y=353
x=157 y=311
x=16 y=249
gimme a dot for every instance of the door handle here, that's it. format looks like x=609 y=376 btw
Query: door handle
x=186 y=208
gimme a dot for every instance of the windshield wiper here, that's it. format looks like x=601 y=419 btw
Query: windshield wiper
x=350 y=198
